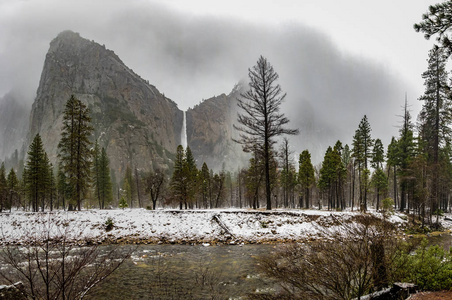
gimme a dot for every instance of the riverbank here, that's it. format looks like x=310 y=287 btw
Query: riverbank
x=230 y=226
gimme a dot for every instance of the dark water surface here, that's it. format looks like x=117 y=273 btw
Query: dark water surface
x=186 y=272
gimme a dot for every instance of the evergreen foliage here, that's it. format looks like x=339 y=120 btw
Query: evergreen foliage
x=101 y=177
x=35 y=173
x=13 y=189
x=430 y=267
x=437 y=21
x=306 y=175
x=106 y=192
x=3 y=187
x=74 y=150
x=205 y=186
x=362 y=144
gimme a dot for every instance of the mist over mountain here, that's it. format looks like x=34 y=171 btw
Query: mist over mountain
x=14 y=115
x=190 y=58
x=328 y=92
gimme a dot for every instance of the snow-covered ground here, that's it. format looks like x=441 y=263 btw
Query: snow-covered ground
x=174 y=226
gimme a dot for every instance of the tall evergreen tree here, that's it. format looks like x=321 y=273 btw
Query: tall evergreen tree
x=74 y=149
x=327 y=175
x=3 y=187
x=262 y=121
x=392 y=160
x=340 y=176
x=378 y=155
x=35 y=171
x=362 y=145
x=306 y=176
x=179 y=180
x=435 y=116
x=95 y=172
x=62 y=188
x=405 y=154
x=380 y=183
x=191 y=175
x=101 y=176
x=13 y=188
x=105 y=185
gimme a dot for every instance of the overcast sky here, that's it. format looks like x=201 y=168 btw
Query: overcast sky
x=340 y=59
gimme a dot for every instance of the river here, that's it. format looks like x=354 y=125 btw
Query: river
x=194 y=272
x=186 y=272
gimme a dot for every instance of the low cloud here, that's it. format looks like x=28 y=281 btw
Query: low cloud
x=192 y=58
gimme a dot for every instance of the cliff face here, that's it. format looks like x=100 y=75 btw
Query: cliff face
x=136 y=124
x=210 y=132
x=13 y=124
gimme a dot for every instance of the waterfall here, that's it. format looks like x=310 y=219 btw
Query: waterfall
x=183 y=134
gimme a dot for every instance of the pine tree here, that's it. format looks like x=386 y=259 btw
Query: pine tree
x=437 y=21
x=191 y=174
x=392 y=156
x=105 y=185
x=179 y=180
x=378 y=155
x=3 y=187
x=405 y=153
x=74 y=149
x=362 y=144
x=47 y=182
x=36 y=172
x=306 y=175
x=123 y=203
x=380 y=183
x=50 y=185
x=95 y=171
x=62 y=188
x=435 y=117
x=340 y=175
x=261 y=121
x=327 y=175
x=13 y=188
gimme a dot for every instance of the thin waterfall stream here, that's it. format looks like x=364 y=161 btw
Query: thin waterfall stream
x=183 y=135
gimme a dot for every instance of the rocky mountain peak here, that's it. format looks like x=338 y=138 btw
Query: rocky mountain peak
x=133 y=120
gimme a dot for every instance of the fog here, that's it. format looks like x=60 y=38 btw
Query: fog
x=190 y=58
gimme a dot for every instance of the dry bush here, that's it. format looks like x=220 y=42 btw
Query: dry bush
x=52 y=268
x=347 y=261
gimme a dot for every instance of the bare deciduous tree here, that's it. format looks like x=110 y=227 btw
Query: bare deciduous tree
x=50 y=267
x=262 y=120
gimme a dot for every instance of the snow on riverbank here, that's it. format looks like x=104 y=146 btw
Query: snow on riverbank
x=174 y=226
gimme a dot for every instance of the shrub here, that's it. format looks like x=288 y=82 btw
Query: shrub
x=388 y=204
x=109 y=224
x=123 y=203
x=430 y=267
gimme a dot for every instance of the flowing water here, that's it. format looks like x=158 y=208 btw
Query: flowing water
x=186 y=272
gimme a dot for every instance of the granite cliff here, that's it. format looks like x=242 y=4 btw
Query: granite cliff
x=210 y=132
x=136 y=123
